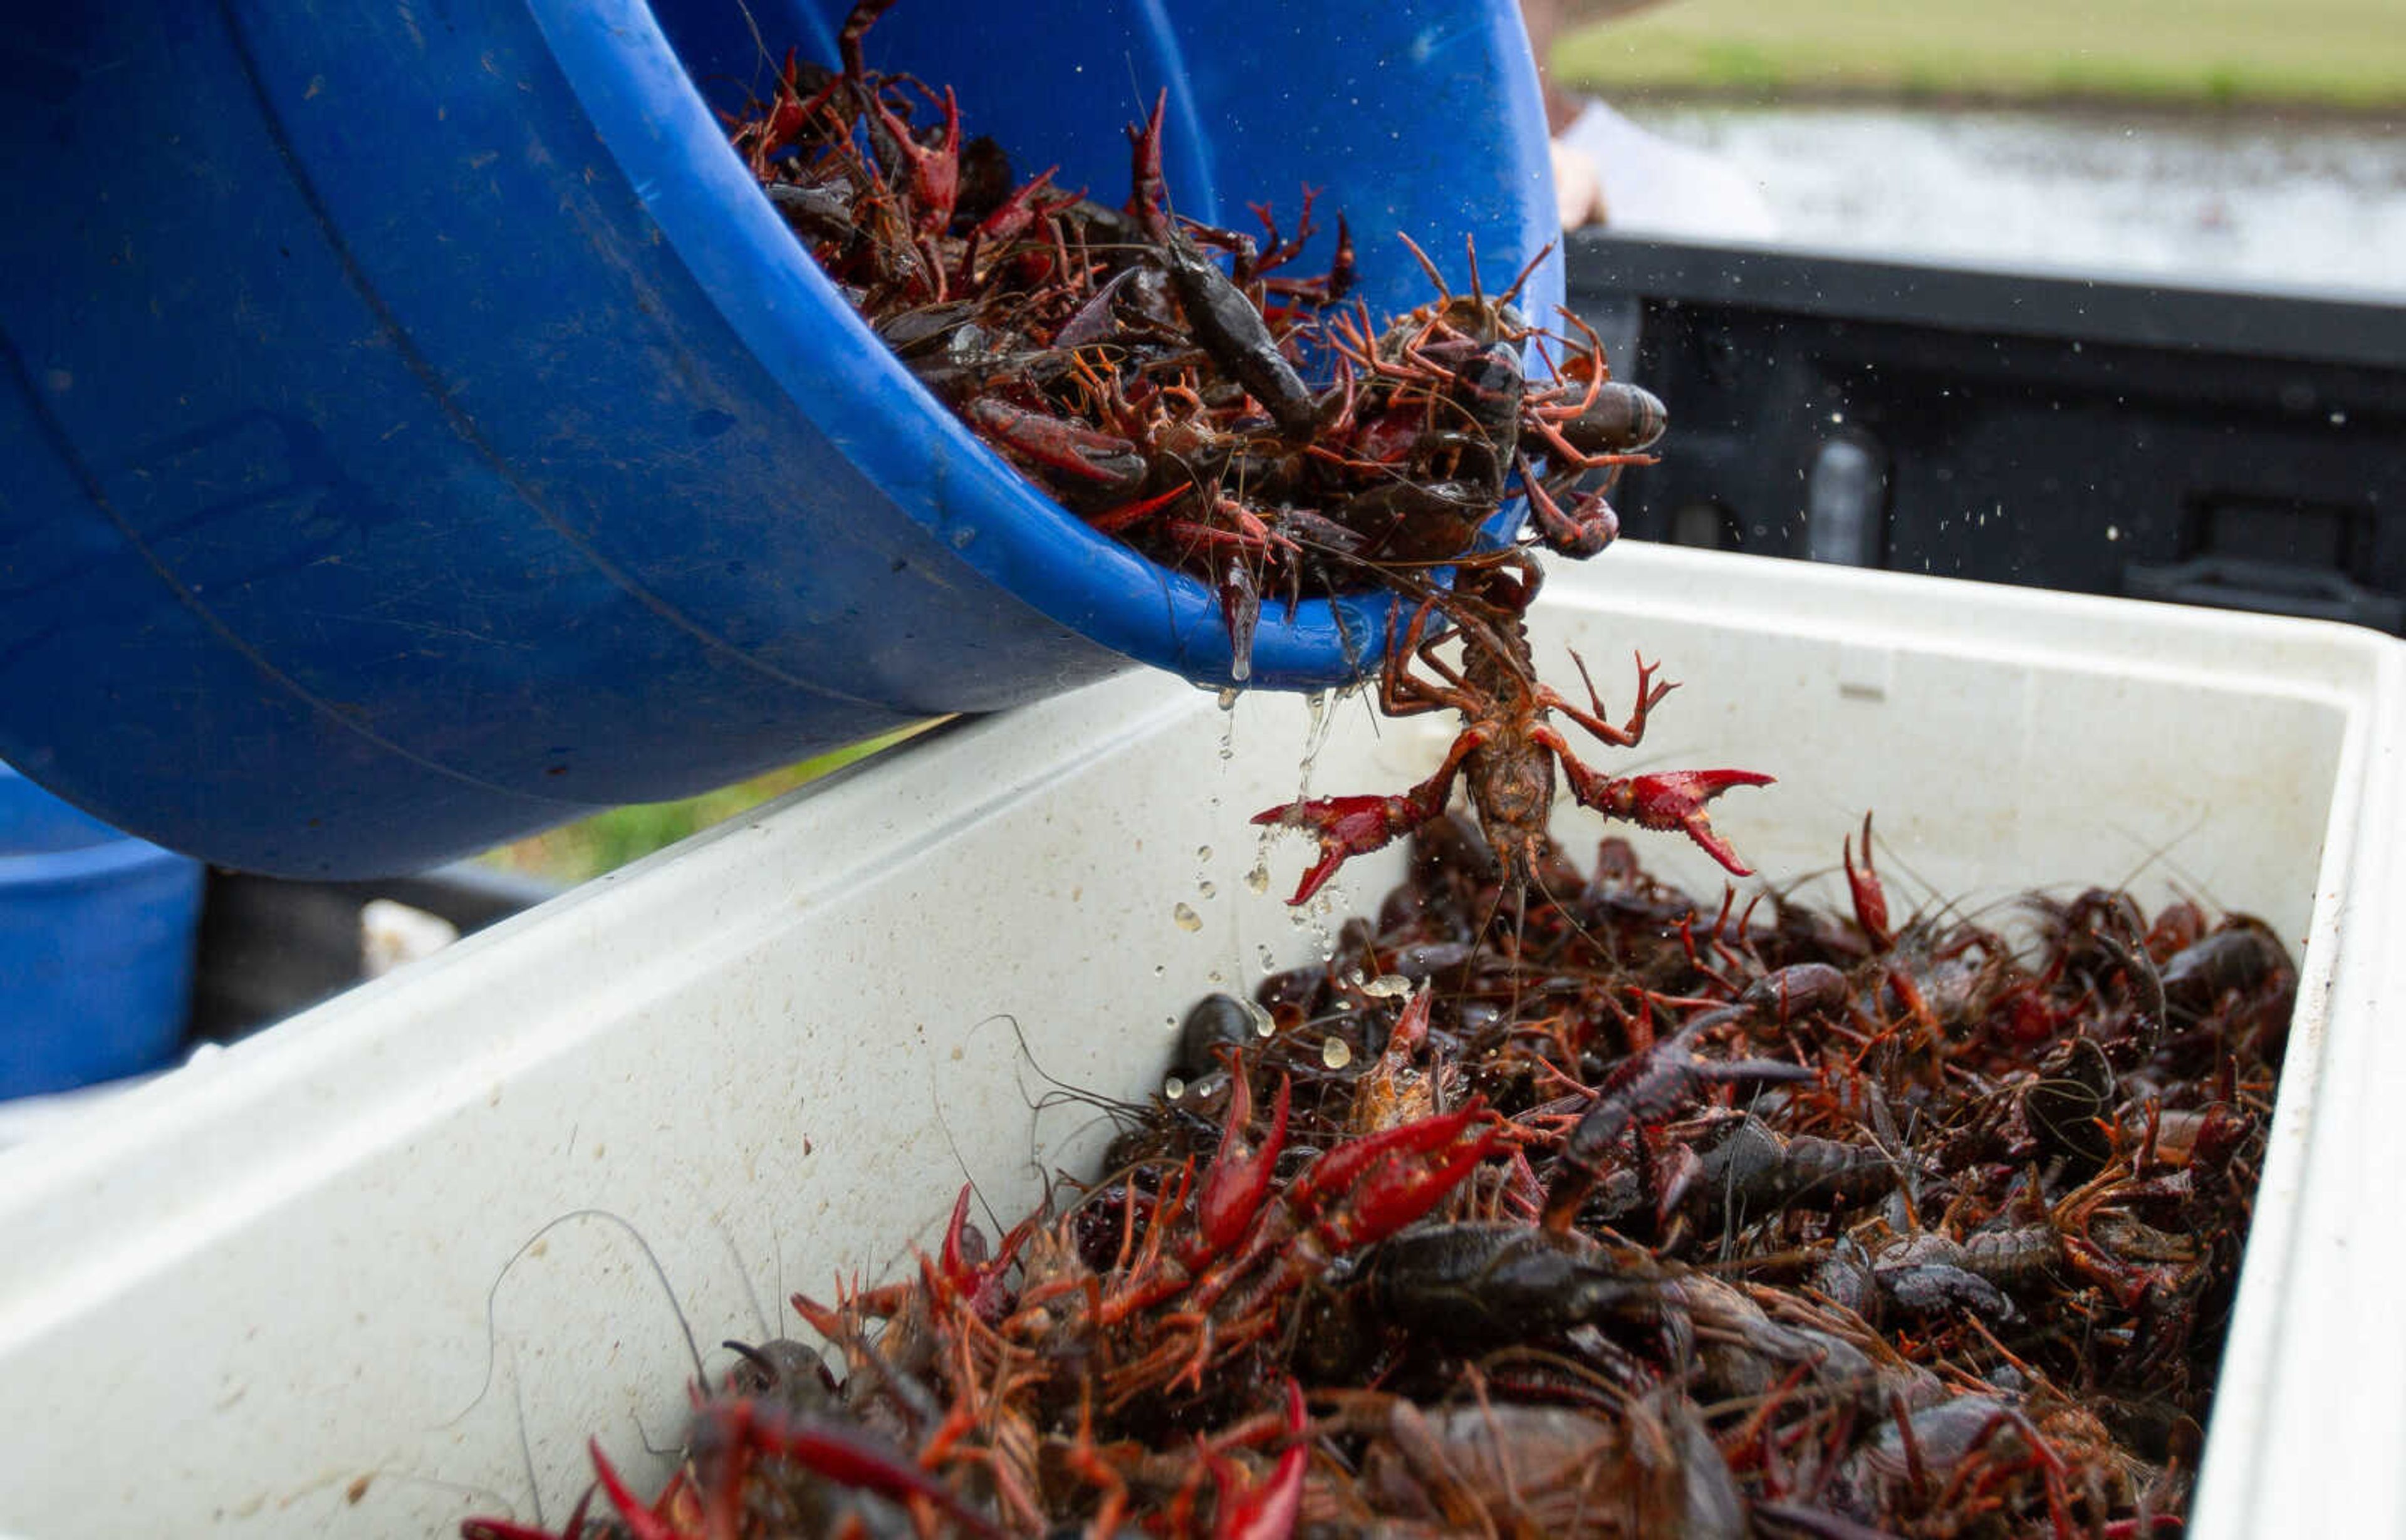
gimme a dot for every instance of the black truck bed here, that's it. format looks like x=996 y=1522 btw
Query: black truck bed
x=2243 y=449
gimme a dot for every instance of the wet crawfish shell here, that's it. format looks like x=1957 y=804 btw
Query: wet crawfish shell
x=1479 y=1282
x=1622 y=419
x=2243 y=971
x=1555 y=1471
x=1217 y=1022
x=2067 y=1106
x=1457 y=316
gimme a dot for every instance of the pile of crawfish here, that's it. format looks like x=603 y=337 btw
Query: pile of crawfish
x=1636 y=1217
x=1149 y=372
x=1556 y=1204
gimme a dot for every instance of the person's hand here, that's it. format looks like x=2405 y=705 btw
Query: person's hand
x=1578 y=185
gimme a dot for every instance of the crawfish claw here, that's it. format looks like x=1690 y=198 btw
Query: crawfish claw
x=1375 y=1185
x=639 y=1521
x=1346 y=826
x=1672 y=801
x=1239 y=1180
x=1268 y=1511
x=1870 y=894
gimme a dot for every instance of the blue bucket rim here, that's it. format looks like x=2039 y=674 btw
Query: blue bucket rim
x=110 y=852
x=111 y=857
x=651 y=117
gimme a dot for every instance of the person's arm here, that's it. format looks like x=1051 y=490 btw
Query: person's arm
x=1578 y=181
x=1578 y=185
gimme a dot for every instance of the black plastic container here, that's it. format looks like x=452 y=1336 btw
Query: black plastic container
x=2238 y=449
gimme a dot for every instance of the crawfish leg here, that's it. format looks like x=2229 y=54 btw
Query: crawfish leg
x=856 y=23
x=1569 y=457
x=1649 y=694
x=1584 y=531
x=1403 y=694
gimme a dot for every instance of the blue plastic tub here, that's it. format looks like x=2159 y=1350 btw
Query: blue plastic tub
x=421 y=429
x=96 y=933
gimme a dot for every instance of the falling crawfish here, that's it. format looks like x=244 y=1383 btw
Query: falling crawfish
x=1508 y=747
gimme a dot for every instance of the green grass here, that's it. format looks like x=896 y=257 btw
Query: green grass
x=2347 y=54
x=606 y=840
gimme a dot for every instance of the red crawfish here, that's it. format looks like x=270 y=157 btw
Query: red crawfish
x=1508 y=746
x=711 y=1497
x=1199 y=1280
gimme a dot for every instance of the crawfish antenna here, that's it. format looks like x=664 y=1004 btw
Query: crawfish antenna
x=1562 y=912
x=1517 y=284
x=1520 y=901
x=651 y=1258
x=760 y=56
x=2161 y=852
x=1121 y=1115
x=1427 y=266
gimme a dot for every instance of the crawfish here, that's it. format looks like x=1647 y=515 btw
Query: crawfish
x=1508 y=746
x=1648 y=1085
x=1511 y=1467
x=1743 y=1166
x=1228 y=324
x=1451 y=380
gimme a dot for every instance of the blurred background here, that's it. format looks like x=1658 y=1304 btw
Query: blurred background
x=2250 y=141
x=590 y=846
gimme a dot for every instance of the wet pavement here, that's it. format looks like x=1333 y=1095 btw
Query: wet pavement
x=2220 y=200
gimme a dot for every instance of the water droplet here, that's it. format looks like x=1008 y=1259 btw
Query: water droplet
x=1172 y=1088
x=1263 y=1025
x=1269 y=959
x=1187 y=919
x=1315 y=737
x=1387 y=987
x=2339 y=420
x=1228 y=698
x=1205 y=887
x=1215 y=977
x=1160 y=970
x=1335 y=1052
x=2113 y=532
x=1259 y=877
x=1203 y=853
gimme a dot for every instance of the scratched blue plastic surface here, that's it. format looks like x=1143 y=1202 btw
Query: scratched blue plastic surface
x=95 y=946
x=420 y=430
